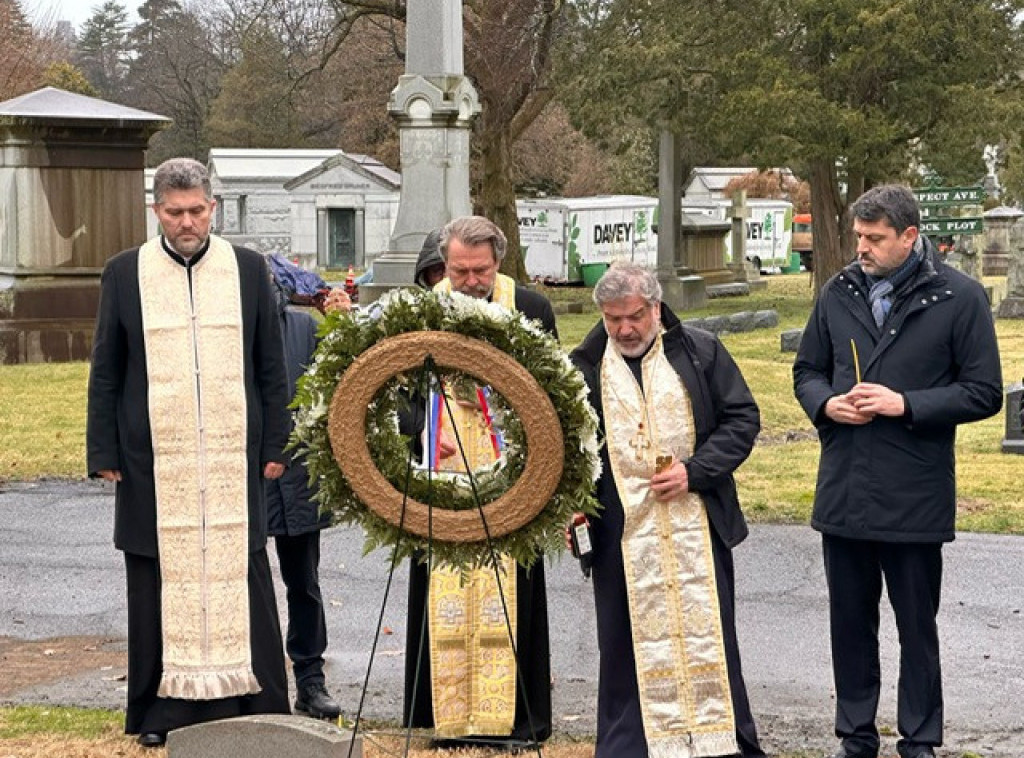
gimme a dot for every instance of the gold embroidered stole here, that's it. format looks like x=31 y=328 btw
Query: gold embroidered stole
x=473 y=669
x=197 y=415
x=681 y=671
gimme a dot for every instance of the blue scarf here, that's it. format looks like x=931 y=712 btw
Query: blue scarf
x=880 y=294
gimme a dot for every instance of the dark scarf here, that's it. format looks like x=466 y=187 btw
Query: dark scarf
x=881 y=289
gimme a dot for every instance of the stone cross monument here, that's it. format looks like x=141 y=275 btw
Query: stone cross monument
x=434 y=104
x=681 y=293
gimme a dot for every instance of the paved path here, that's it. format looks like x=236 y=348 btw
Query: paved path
x=59 y=575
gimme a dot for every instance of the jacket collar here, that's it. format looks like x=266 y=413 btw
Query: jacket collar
x=593 y=346
x=931 y=270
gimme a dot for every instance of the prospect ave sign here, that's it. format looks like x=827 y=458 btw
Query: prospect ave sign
x=950 y=196
x=940 y=201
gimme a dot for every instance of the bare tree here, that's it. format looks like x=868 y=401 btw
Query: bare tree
x=26 y=52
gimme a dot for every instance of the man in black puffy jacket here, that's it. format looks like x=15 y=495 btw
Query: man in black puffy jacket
x=898 y=351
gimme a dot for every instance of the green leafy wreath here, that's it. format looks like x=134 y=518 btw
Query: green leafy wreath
x=344 y=337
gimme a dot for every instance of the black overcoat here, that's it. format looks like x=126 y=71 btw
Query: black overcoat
x=291 y=509
x=118 y=432
x=893 y=479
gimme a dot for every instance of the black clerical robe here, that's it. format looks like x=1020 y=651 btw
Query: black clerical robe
x=119 y=438
x=532 y=647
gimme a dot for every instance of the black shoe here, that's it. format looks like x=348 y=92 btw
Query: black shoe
x=920 y=752
x=314 y=700
x=842 y=752
x=152 y=739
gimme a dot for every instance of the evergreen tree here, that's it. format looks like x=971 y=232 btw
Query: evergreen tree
x=254 y=108
x=68 y=77
x=175 y=70
x=848 y=93
x=103 y=48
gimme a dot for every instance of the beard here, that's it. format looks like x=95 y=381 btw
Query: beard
x=480 y=291
x=636 y=348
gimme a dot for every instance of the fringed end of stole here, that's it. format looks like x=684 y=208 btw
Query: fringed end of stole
x=208 y=685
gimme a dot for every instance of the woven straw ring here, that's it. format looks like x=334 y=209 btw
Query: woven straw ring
x=346 y=427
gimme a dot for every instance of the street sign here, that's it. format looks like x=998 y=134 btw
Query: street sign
x=950 y=196
x=965 y=225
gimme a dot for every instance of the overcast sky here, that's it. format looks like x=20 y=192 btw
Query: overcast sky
x=75 y=11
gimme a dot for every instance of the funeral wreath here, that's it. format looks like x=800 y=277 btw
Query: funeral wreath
x=369 y=369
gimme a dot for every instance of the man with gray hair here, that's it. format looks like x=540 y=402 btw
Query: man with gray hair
x=898 y=351
x=188 y=416
x=469 y=689
x=678 y=420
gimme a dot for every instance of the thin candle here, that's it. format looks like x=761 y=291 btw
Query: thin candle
x=856 y=360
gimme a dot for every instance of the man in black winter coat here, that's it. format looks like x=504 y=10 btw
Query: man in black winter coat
x=898 y=351
x=678 y=420
x=294 y=521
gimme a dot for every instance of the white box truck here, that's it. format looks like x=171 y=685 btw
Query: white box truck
x=564 y=238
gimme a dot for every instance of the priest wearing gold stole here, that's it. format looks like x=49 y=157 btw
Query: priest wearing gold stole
x=468 y=686
x=678 y=420
x=188 y=414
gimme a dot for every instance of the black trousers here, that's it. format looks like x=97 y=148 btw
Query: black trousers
x=912 y=572
x=148 y=713
x=620 y=730
x=306 y=641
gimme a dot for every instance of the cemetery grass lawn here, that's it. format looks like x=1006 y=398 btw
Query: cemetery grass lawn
x=53 y=732
x=42 y=413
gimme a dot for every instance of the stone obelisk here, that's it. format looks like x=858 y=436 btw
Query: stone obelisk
x=434 y=105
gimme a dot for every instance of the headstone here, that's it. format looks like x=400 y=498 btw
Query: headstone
x=732 y=289
x=1012 y=306
x=964 y=257
x=996 y=253
x=72 y=194
x=702 y=249
x=744 y=321
x=791 y=340
x=434 y=105
x=265 y=736
x=1014 y=441
x=681 y=293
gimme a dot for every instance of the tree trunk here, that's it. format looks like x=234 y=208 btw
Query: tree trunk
x=827 y=214
x=496 y=198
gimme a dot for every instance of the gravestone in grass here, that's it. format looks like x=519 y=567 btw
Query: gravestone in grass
x=265 y=736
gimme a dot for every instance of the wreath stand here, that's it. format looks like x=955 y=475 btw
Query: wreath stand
x=427 y=371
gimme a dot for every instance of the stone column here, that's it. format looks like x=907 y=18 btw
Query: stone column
x=72 y=194
x=434 y=105
x=684 y=292
x=1012 y=305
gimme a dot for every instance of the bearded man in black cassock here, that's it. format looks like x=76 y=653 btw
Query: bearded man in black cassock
x=467 y=687
x=187 y=414
x=678 y=419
